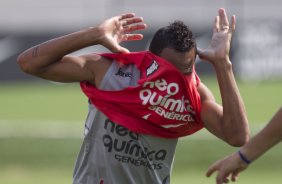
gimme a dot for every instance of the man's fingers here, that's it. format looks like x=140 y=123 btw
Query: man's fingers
x=223 y=20
x=212 y=169
x=132 y=37
x=216 y=24
x=136 y=27
x=134 y=20
x=222 y=177
x=224 y=180
x=234 y=176
x=126 y=16
x=233 y=23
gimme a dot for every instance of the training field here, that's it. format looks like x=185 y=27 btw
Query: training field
x=41 y=127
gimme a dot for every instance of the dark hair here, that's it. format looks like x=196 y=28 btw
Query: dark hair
x=176 y=35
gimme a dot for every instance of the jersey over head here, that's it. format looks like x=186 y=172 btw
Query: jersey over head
x=165 y=103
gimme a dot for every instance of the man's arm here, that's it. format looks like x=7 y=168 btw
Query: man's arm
x=50 y=60
x=228 y=122
x=231 y=165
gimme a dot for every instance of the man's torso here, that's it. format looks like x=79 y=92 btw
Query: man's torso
x=112 y=154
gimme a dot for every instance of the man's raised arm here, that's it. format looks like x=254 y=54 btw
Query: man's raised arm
x=49 y=60
x=229 y=121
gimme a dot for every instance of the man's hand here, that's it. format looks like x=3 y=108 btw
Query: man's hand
x=217 y=52
x=116 y=30
x=228 y=167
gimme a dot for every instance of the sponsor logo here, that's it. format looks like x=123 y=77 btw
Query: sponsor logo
x=166 y=104
x=123 y=74
x=127 y=149
x=152 y=68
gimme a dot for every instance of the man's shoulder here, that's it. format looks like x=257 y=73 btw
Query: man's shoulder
x=98 y=64
x=96 y=57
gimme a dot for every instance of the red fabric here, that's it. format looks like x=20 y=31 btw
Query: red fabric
x=165 y=103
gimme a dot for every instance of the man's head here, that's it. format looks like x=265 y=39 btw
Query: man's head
x=176 y=44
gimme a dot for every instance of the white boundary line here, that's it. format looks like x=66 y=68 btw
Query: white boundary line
x=73 y=129
x=41 y=129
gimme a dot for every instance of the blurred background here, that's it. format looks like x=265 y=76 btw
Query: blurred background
x=41 y=122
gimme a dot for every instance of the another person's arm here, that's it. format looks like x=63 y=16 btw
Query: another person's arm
x=231 y=165
x=50 y=60
x=229 y=121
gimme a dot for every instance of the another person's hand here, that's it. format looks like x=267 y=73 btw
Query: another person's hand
x=227 y=168
x=117 y=29
x=217 y=52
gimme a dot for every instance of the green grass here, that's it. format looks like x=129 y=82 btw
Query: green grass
x=26 y=108
x=33 y=161
x=262 y=99
x=47 y=101
x=23 y=175
x=49 y=161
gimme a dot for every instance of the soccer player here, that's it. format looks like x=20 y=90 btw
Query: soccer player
x=229 y=167
x=141 y=103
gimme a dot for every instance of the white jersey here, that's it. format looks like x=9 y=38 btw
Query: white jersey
x=112 y=154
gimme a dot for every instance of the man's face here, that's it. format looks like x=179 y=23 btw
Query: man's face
x=183 y=61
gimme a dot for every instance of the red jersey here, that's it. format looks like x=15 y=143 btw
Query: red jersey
x=165 y=102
